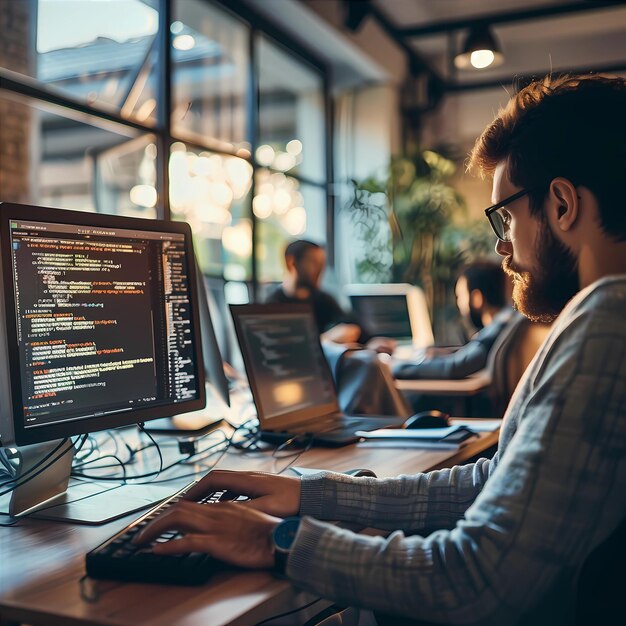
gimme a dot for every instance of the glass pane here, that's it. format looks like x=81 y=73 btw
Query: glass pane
x=211 y=192
x=66 y=162
x=286 y=209
x=210 y=69
x=291 y=114
x=101 y=53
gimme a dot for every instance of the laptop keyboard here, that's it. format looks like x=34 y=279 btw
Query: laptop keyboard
x=120 y=559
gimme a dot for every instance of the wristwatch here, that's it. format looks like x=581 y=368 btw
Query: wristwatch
x=282 y=537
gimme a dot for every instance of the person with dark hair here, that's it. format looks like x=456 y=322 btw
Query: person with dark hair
x=481 y=298
x=514 y=532
x=305 y=262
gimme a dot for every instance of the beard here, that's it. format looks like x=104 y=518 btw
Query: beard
x=541 y=295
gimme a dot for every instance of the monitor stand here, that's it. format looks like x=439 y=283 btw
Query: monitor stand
x=48 y=494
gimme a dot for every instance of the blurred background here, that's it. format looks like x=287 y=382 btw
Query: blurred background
x=262 y=121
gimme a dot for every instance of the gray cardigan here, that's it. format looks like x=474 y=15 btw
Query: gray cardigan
x=516 y=529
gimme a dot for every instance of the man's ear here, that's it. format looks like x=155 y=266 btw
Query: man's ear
x=563 y=204
x=476 y=299
x=290 y=263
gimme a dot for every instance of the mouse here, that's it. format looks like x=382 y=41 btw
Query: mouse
x=359 y=472
x=428 y=419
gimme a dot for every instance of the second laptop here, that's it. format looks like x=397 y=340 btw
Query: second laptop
x=290 y=379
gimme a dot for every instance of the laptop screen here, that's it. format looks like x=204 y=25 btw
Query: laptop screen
x=284 y=359
x=383 y=315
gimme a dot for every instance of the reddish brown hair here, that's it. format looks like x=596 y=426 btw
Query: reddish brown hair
x=569 y=126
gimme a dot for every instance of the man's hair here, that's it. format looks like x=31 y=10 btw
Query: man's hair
x=488 y=277
x=568 y=126
x=297 y=249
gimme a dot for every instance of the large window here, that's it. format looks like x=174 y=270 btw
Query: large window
x=101 y=53
x=210 y=62
x=290 y=195
x=66 y=162
x=209 y=115
x=210 y=191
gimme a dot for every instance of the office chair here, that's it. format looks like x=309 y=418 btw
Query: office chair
x=509 y=357
x=364 y=383
x=602 y=581
x=491 y=388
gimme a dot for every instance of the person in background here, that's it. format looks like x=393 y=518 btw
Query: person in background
x=305 y=262
x=500 y=541
x=481 y=297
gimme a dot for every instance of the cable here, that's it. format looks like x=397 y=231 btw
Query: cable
x=121 y=463
x=5 y=462
x=306 y=606
x=197 y=457
x=308 y=444
x=149 y=474
x=156 y=445
x=12 y=523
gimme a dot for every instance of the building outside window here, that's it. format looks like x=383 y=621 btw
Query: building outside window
x=239 y=150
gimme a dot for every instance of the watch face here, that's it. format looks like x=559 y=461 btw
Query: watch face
x=285 y=533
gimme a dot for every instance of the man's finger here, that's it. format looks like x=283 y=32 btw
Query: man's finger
x=174 y=519
x=243 y=483
x=185 y=545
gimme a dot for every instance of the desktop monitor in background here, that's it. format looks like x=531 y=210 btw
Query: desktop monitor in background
x=99 y=328
x=398 y=311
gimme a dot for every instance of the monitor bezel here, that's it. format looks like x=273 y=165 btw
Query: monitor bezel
x=79 y=426
x=290 y=418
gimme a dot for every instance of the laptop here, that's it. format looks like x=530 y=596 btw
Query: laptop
x=397 y=310
x=290 y=380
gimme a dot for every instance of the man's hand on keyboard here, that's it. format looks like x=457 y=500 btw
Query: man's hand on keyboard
x=227 y=531
x=275 y=495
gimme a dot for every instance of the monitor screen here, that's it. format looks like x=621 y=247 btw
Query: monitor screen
x=104 y=314
x=284 y=361
x=383 y=315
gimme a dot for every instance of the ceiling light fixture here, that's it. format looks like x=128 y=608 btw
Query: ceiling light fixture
x=481 y=50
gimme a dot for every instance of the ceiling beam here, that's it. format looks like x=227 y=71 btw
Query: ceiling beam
x=416 y=61
x=523 y=79
x=508 y=17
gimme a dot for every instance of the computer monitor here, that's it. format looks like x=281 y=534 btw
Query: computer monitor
x=99 y=328
x=396 y=310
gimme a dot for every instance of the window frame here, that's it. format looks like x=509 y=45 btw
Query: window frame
x=258 y=25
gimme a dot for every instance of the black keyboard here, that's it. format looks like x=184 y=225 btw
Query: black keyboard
x=119 y=559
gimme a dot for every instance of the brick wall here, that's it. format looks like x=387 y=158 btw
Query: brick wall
x=17 y=54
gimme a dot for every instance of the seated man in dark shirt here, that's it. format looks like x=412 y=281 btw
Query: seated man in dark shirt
x=305 y=262
x=482 y=299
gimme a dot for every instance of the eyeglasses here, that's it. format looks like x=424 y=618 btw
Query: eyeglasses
x=500 y=218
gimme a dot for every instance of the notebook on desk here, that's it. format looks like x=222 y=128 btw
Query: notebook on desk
x=290 y=379
x=448 y=438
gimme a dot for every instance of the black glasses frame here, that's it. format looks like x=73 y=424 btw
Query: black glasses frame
x=492 y=209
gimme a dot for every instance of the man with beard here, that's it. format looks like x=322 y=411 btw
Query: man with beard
x=516 y=530
x=481 y=300
x=305 y=262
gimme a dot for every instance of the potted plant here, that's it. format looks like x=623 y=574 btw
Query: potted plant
x=412 y=227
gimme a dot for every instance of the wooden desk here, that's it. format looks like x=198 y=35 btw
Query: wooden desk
x=468 y=386
x=41 y=563
x=460 y=391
